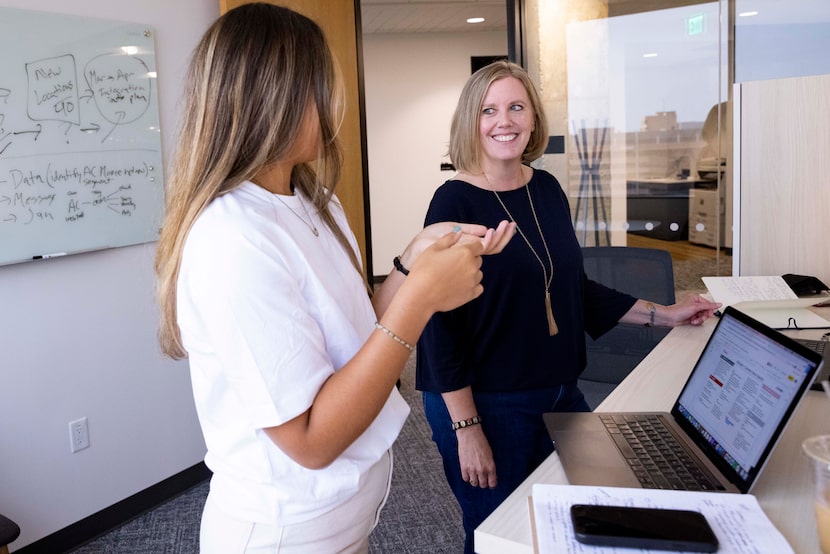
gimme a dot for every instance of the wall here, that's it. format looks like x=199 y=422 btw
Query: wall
x=78 y=340
x=782 y=214
x=412 y=84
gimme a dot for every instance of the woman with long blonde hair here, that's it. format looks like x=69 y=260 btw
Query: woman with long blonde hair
x=260 y=283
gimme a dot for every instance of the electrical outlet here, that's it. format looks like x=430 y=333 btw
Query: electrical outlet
x=78 y=434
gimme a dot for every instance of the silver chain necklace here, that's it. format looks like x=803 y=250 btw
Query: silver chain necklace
x=548 y=278
x=310 y=222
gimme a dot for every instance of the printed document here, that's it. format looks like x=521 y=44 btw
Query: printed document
x=738 y=521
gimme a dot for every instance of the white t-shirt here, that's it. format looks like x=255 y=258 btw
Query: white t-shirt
x=267 y=313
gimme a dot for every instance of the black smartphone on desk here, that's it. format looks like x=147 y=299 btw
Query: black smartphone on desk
x=623 y=526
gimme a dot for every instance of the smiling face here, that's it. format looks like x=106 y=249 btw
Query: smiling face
x=505 y=122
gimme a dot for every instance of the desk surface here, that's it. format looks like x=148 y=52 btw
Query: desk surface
x=783 y=489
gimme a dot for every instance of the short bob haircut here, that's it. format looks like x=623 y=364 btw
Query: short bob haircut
x=465 y=147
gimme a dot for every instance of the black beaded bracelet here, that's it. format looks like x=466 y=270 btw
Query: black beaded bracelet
x=469 y=422
x=399 y=266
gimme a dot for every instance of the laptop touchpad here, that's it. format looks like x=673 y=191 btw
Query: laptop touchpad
x=592 y=458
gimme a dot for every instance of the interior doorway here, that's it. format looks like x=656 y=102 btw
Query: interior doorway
x=416 y=59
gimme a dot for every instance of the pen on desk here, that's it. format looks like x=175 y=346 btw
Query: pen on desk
x=47 y=256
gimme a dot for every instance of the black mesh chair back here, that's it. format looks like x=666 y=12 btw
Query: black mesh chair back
x=646 y=273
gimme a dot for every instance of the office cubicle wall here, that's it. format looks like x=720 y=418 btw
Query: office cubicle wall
x=783 y=197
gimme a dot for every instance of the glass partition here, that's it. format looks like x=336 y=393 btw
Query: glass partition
x=639 y=93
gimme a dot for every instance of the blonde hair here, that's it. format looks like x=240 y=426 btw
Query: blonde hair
x=250 y=78
x=465 y=146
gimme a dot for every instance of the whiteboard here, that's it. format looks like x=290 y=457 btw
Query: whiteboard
x=80 y=143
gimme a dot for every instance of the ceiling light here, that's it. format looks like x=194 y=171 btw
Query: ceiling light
x=650 y=55
x=475 y=20
x=747 y=14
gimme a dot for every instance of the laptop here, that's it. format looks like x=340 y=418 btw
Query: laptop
x=727 y=419
x=820 y=346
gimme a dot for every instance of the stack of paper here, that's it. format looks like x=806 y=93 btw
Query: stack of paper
x=768 y=299
x=738 y=521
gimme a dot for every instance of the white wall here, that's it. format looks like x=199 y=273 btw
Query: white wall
x=412 y=84
x=78 y=340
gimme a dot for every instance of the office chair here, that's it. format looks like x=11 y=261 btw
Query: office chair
x=646 y=273
x=9 y=531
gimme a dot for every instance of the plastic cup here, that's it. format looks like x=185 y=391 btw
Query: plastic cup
x=817 y=450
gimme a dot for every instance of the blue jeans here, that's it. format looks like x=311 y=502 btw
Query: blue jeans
x=512 y=423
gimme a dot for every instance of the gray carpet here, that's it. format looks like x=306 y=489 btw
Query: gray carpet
x=687 y=273
x=420 y=517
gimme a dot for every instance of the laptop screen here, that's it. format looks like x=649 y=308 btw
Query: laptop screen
x=741 y=393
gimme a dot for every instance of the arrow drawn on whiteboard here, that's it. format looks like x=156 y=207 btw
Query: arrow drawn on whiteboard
x=4 y=146
x=12 y=218
x=91 y=128
x=35 y=131
x=120 y=117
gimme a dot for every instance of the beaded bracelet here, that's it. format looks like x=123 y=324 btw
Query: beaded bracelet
x=395 y=337
x=399 y=265
x=469 y=422
x=652 y=309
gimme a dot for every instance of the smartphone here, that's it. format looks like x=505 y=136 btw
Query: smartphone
x=623 y=526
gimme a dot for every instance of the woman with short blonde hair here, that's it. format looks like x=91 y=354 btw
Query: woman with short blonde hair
x=489 y=369
x=464 y=148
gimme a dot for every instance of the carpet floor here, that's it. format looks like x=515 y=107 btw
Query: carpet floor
x=688 y=273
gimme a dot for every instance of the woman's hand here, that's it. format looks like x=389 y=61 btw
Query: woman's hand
x=692 y=310
x=476 y=458
x=475 y=240
x=447 y=274
x=492 y=240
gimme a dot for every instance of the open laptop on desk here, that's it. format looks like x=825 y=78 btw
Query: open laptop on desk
x=728 y=418
x=820 y=346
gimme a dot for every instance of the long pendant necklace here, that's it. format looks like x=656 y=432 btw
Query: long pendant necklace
x=548 y=278
x=310 y=222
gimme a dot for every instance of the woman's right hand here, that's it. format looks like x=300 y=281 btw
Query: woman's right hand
x=447 y=274
x=446 y=261
x=493 y=240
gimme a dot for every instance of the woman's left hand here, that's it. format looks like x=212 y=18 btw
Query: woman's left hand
x=693 y=310
x=493 y=240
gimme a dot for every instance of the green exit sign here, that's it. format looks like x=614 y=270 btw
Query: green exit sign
x=694 y=25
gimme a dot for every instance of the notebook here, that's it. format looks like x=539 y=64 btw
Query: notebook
x=728 y=418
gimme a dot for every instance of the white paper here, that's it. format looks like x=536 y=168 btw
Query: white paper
x=731 y=290
x=768 y=299
x=738 y=521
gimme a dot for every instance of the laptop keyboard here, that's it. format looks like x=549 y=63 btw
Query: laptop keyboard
x=815 y=345
x=656 y=457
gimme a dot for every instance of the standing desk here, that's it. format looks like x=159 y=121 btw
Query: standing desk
x=783 y=489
